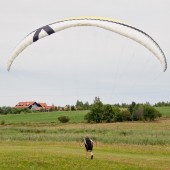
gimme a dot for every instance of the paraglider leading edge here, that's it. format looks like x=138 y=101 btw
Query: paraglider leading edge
x=106 y=23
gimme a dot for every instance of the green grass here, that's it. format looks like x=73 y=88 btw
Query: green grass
x=47 y=155
x=45 y=127
x=52 y=117
x=50 y=155
x=165 y=111
x=43 y=117
x=138 y=133
x=39 y=141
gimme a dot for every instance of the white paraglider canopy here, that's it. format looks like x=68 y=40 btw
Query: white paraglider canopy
x=105 y=23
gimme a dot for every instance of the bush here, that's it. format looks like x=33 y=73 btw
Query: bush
x=150 y=113
x=10 y=110
x=137 y=113
x=89 y=117
x=95 y=114
x=63 y=119
x=101 y=113
x=131 y=107
x=121 y=116
x=126 y=115
x=145 y=112
x=73 y=108
x=2 y=122
x=107 y=115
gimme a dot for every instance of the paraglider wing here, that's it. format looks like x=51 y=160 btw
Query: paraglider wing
x=108 y=24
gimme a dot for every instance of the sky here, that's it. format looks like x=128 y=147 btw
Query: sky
x=83 y=62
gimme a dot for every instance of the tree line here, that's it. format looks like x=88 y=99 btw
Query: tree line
x=100 y=112
x=86 y=106
x=11 y=110
x=131 y=112
x=162 y=104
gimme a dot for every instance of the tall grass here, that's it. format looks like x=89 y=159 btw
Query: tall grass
x=45 y=127
x=38 y=141
x=140 y=133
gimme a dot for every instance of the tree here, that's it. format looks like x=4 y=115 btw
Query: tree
x=82 y=106
x=145 y=112
x=97 y=100
x=108 y=113
x=96 y=111
x=150 y=113
x=131 y=107
x=79 y=105
x=126 y=115
x=160 y=104
x=73 y=108
x=86 y=106
x=118 y=117
x=138 y=112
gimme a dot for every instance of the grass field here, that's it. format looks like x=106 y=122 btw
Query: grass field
x=51 y=117
x=39 y=141
x=52 y=156
x=164 y=110
x=43 y=117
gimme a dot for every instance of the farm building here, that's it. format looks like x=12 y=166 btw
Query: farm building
x=33 y=105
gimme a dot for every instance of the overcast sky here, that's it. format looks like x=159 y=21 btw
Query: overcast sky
x=83 y=62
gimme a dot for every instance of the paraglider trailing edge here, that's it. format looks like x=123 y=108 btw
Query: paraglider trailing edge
x=106 y=23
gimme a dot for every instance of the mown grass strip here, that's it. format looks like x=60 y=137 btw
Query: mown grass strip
x=47 y=155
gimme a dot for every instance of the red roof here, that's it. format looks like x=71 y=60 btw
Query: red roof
x=24 y=104
x=27 y=104
x=21 y=107
x=43 y=104
x=48 y=107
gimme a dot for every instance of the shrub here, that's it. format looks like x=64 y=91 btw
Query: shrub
x=138 y=112
x=2 y=122
x=121 y=116
x=150 y=113
x=73 y=108
x=95 y=114
x=9 y=110
x=145 y=112
x=126 y=115
x=132 y=107
x=89 y=117
x=108 y=113
x=63 y=119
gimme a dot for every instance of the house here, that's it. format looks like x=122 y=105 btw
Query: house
x=33 y=106
x=45 y=107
